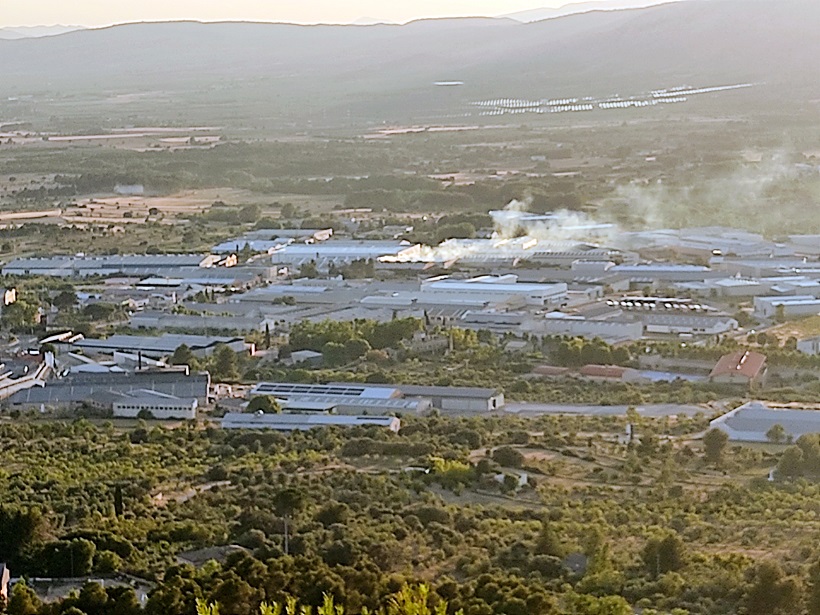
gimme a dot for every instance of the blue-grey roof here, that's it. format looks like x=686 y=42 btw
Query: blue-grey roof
x=166 y=343
x=751 y=421
x=107 y=387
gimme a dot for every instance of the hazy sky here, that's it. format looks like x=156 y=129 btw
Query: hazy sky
x=105 y=12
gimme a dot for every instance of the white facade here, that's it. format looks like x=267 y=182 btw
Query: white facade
x=494 y=289
x=160 y=406
x=677 y=324
x=795 y=305
x=294 y=422
x=577 y=326
x=809 y=345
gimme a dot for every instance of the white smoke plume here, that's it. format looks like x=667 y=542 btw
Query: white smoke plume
x=557 y=226
x=775 y=195
x=517 y=231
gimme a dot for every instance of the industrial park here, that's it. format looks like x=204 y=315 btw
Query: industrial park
x=517 y=286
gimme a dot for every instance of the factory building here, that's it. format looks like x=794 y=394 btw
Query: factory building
x=222 y=278
x=104 y=389
x=453 y=399
x=810 y=345
x=791 y=306
x=304 y=422
x=384 y=398
x=198 y=322
x=155 y=404
x=271 y=240
x=340 y=398
x=662 y=273
x=768 y=267
x=613 y=331
x=162 y=346
x=493 y=289
x=750 y=422
x=663 y=323
x=84 y=266
x=344 y=252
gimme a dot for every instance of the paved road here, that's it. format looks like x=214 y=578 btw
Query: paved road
x=650 y=410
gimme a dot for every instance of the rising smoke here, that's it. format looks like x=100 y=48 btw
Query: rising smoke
x=557 y=226
x=773 y=196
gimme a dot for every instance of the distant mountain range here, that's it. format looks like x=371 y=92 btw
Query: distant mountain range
x=582 y=7
x=387 y=72
x=11 y=34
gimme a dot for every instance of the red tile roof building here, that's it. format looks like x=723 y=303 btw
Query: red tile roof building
x=742 y=367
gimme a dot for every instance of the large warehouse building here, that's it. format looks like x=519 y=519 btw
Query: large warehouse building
x=341 y=398
x=494 y=289
x=303 y=422
x=750 y=422
x=346 y=397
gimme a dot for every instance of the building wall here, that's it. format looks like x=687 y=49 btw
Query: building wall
x=469 y=404
x=589 y=328
x=158 y=409
x=766 y=307
x=716 y=327
x=809 y=346
x=736 y=378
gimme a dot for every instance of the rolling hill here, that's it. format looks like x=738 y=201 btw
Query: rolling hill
x=387 y=72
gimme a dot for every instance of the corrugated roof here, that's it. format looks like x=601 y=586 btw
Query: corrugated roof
x=165 y=343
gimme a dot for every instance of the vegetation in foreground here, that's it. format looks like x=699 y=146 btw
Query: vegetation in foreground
x=497 y=515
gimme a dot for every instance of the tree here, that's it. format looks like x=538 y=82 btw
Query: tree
x=249 y=213
x=123 y=601
x=92 y=599
x=776 y=434
x=20 y=315
x=813 y=598
x=288 y=210
x=118 y=504
x=286 y=503
x=356 y=348
x=20 y=530
x=98 y=311
x=714 y=443
x=508 y=457
x=224 y=365
x=309 y=270
x=22 y=600
x=183 y=355
x=333 y=354
x=791 y=463
x=809 y=443
x=332 y=513
x=662 y=555
x=548 y=542
x=770 y=592
x=265 y=403
x=65 y=300
x=584 y=604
